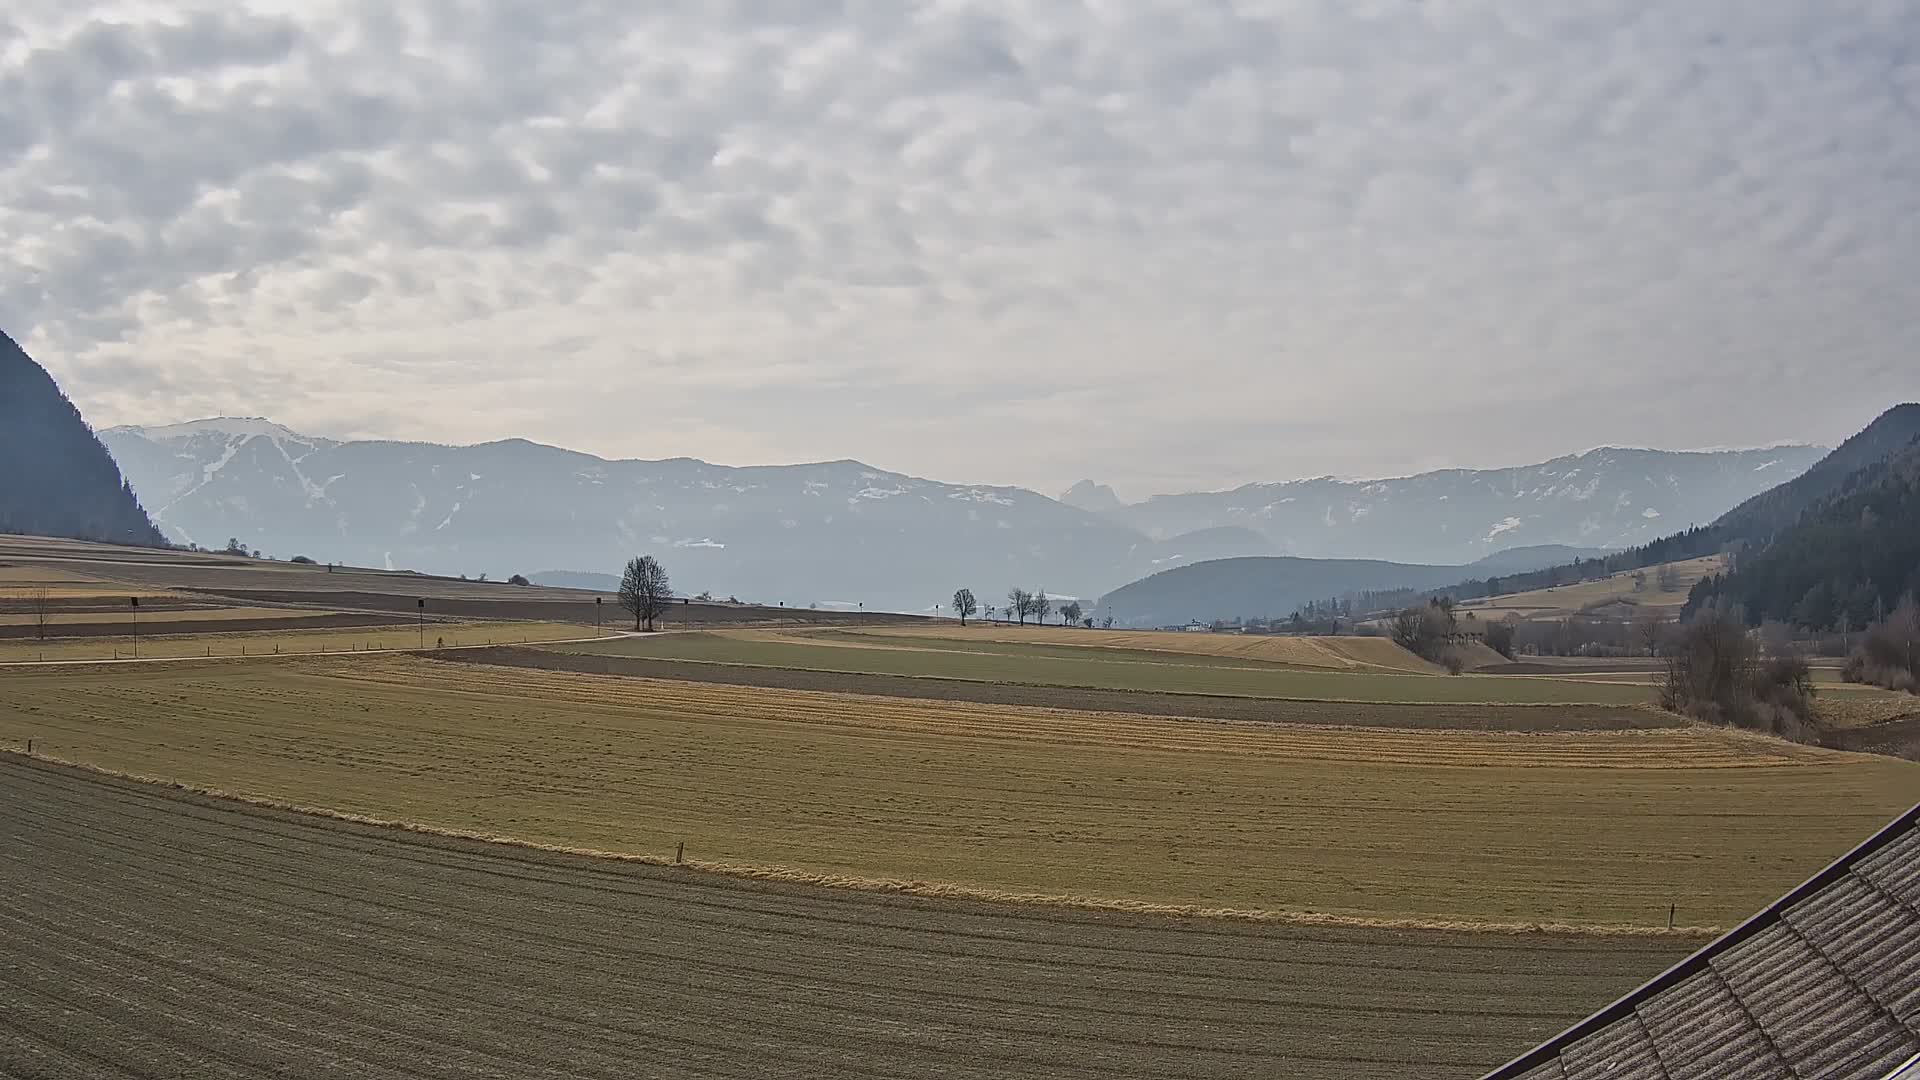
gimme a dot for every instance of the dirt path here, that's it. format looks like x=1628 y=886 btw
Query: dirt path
x=150 y=932
x=1207 y=706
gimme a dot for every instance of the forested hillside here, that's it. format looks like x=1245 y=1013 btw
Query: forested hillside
x=1846 y=561
x=1752 y=527
x=55 y=477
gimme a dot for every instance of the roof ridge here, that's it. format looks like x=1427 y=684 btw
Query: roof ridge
x=1838 y=870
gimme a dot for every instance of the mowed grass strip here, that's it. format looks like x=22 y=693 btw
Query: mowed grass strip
x=1121 y=670
x=397 y=635
x=1581 y=828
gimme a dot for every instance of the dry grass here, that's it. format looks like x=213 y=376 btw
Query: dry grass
x=1102 y=809
x=1041 y=663
x=283 y=642
x=1568 y=600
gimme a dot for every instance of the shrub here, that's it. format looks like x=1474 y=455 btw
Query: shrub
x=518 y=579
x=302 y=560
x=1889 y=654
x=1716 y=674
x=1500 y=638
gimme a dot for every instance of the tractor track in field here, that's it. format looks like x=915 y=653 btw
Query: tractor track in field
x=153 y=931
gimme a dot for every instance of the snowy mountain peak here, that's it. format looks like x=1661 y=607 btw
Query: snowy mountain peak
x=230 y=426
x=1091 y=497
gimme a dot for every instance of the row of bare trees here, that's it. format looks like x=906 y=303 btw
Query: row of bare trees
x=1021 y=605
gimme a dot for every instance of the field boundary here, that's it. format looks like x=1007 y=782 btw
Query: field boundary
x=905 y=887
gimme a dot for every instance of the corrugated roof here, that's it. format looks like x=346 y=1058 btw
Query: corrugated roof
x=1824 y=983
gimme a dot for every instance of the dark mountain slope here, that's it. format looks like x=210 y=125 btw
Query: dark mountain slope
x=1847 y=559
x=55 y=477
x=1777 y=508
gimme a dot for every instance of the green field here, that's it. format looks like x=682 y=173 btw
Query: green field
x=1113 y=669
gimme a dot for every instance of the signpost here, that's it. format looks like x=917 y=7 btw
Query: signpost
x=597 y=602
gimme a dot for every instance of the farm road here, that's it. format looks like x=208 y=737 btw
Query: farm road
x=149 y=932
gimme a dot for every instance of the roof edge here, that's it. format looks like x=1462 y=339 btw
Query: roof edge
x=1765 y=918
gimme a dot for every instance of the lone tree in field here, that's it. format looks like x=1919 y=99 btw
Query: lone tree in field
x=41 y=604
x=1019 y=603
x=1042 y=607
x=644 y=590
x=964 y=604
x=1070 y=613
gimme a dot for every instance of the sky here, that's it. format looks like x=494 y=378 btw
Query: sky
x=1165 y=245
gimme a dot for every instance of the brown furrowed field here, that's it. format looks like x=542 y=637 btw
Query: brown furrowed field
x=151 y=932
x=359 y=634
x=1561 y=827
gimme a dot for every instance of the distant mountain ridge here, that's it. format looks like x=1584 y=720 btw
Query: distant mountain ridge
x=1604 y=498
x=826 y=532
x=56 y=479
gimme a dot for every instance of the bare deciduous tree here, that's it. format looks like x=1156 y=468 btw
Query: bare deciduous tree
x=964 y=604
x=1070 y=613
x=1019 y=604
x=1042 y=607
x=40 y=604
x=644 y=590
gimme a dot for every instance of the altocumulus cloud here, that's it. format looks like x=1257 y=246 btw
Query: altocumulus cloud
x=1161 y=243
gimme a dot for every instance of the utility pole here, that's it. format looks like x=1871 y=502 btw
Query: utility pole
x=598 y=601
x=133 y=605
x=422 y=604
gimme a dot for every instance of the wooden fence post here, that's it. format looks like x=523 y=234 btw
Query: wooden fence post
x=680 y=853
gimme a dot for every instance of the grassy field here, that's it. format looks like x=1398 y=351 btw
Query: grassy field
x=1118 y=669
x=154 y=933
x=1564 y=600
x=1331 y=653
x=1579 y=828
x=268 y=642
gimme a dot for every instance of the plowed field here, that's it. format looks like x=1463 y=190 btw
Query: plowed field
x=999 y=801
x=153 y=933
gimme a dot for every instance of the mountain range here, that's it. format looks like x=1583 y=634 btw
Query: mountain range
x=844 y=532
x=57 y=479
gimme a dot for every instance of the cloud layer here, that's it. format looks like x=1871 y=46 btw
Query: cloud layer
x=1164 y=244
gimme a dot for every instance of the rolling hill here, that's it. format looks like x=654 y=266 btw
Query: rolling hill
x=1273 y=586
x=1847 y=558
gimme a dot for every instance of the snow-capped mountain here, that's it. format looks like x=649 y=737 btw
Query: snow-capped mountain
x=1091 y=497
x=1606 y=498
x=830 y=532
x=843 y=531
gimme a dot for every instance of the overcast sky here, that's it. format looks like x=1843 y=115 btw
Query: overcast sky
x=1162 y=244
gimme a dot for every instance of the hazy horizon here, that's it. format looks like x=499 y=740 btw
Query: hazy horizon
x=1125 y=496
